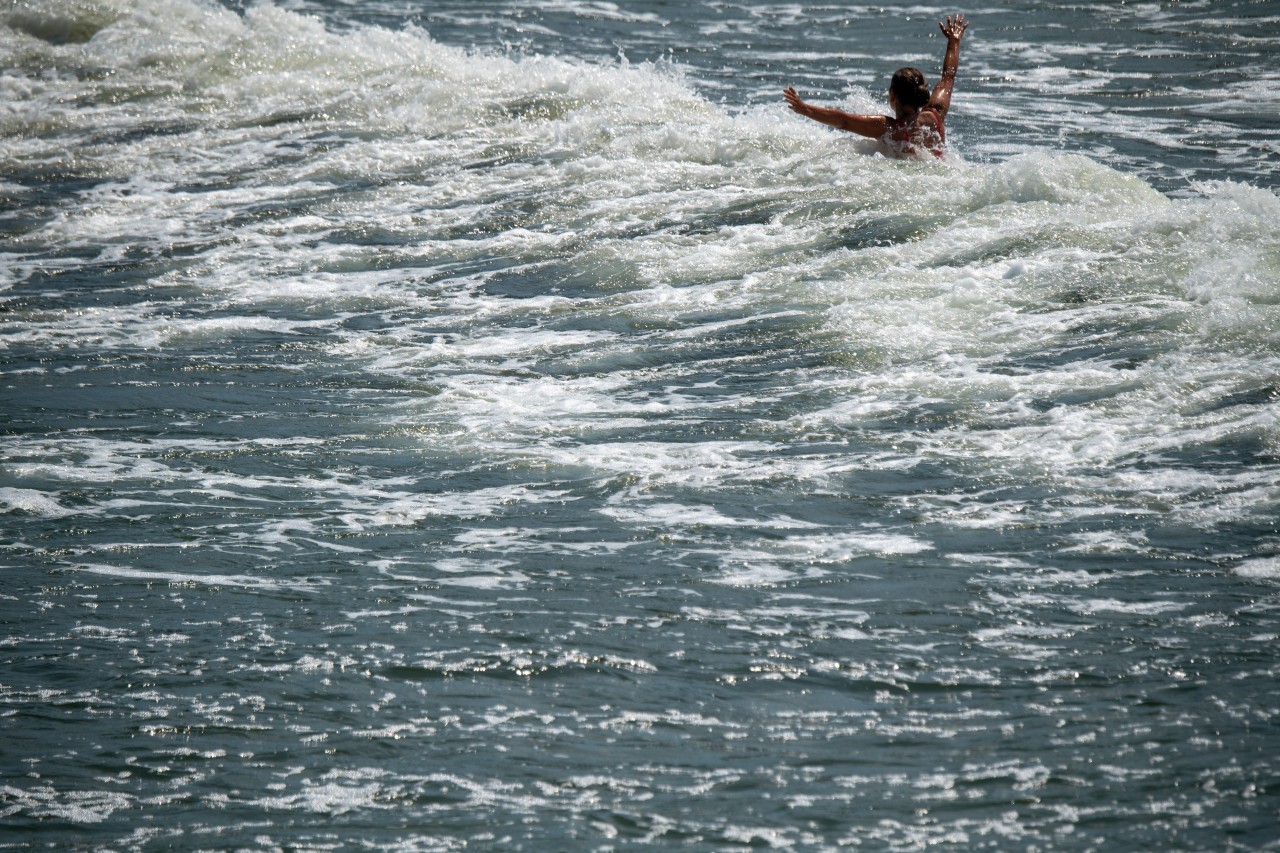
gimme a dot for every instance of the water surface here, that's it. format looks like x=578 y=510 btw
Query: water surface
x=507 y=426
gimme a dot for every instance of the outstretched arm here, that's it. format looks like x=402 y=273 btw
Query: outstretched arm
x=953 y=28
x=865 y=125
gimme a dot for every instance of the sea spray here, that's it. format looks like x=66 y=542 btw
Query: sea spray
x=508 y=426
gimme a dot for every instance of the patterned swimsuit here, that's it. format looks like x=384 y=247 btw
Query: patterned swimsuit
x=913 y=139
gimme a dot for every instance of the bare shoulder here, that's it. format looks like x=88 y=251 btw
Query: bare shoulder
x=931 y=115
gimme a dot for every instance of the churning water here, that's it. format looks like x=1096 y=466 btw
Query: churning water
x=504 y=425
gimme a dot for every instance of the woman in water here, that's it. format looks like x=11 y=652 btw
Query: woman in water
x=916 y=128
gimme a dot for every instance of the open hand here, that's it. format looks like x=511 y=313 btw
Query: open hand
x=953 y=27
x=793 y=101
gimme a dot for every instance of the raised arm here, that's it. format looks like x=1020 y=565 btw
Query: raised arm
x=865 y=125
x=953 y=28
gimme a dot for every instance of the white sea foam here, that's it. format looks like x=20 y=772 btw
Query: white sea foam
x=638 y=180
x=1143 y=608
x=766 y=563
x=80 y=807
x=479 y=574
x=215 y=580
x=672 y=515
x=748 y=569
x=32 y=501
x=550 y=316
x=1261 y=567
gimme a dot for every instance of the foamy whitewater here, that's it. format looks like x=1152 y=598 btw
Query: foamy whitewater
x=506 y=426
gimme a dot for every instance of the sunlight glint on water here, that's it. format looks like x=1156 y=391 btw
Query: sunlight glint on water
x=507 y=426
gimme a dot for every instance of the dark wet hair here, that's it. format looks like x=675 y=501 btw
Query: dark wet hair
x=909 y=86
